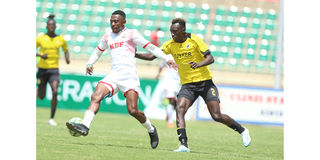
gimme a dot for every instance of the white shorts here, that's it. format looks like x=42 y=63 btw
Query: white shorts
x=172 y=84
x=124 y=83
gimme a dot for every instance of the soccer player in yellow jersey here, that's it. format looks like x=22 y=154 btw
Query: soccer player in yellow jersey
x=193 y=57
x=48 y=66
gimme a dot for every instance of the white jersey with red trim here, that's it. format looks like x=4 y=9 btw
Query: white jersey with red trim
x=122 y=46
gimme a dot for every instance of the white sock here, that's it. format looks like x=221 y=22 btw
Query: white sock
x=170 y=111
x=88 y=117
x=148 y=126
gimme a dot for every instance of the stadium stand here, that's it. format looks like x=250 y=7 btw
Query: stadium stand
x=241 y=34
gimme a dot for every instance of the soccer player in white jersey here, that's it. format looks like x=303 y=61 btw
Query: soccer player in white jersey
x=172 y=86
x=123 y=75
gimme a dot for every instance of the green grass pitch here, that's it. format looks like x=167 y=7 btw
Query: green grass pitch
x=115 y=136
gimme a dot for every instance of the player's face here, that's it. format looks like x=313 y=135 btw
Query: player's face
x=177 y=33
x=51 y=26
x=117 y=23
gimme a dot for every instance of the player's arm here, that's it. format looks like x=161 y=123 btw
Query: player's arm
x=145 y=56
x=67 y=56
x=44 y=56
x=156 y=51
x=209 y=60
x=95 y=56
x=66 y=51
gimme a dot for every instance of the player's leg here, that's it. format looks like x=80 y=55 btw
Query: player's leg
x=211 y=97
x=54 y=88
x=42 y=80
x=186 y=97
x=99 y=94
x=132 y=107
x=183 y=105
x=214 y=109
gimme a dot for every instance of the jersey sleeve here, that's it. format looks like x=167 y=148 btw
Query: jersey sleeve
x=201 y=45
x=103 y=45
x=165 y=48
x=64 y=45
x=139 y=40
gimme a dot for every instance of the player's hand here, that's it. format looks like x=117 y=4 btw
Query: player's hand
x=67 y=60
x=172 y=64
x=44 y=56
x=89 y=70
x=194 y=65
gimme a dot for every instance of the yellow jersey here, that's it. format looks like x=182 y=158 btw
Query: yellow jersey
x=190 y=50
x=51 y=46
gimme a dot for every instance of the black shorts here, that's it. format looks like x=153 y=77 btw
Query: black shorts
x=206 y=89
x=47 y=75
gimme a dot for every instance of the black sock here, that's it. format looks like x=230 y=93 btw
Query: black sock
x=53 y=111
x=237 y=127
x=182 y=136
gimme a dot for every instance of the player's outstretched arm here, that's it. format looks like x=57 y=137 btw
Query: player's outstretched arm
x=146 y=56
x=209 y=60
x=156 y=51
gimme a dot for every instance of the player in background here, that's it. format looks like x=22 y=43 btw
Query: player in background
x=154 y=38
x=193 y=57
x=123 y=75
x=48 y=66
x=171 y=78
x=172 y=86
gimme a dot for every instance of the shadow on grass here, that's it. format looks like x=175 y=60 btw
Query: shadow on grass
x=133 y=147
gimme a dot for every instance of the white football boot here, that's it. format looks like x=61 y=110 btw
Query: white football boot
x=182 y=148
x=246 y=140
x=52 y=122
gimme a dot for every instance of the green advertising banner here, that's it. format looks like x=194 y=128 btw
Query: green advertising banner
x=75 y=92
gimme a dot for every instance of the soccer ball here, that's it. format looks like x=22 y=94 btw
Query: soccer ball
x=78 y=121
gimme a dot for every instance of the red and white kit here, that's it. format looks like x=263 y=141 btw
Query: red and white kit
x=172 y=80
x=123 y=75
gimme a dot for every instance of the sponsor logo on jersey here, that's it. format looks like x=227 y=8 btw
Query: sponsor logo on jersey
x=185 y=54
x=116 y=45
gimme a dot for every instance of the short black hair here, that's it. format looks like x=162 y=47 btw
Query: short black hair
x=120 y=12
x=51 y=17
x=181 y=22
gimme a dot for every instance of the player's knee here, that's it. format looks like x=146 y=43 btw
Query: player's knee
x=133 y=112
x=95 y=97
x=180 y=109
x=54 y=93
x=41 y=96
x=217 y=117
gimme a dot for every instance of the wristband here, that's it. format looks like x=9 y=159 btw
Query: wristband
x=89 y=65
